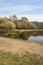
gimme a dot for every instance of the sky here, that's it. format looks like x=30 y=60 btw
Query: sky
x=32 y=9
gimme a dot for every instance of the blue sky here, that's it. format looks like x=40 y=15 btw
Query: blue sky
x=32 y=9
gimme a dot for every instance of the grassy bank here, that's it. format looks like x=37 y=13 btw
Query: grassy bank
x=27 y=30
x=7 y=58
x=18 y=30
x=20 y=52
x=17 y=33
x=20 y=46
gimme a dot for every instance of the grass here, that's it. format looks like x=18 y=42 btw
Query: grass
x=7 y=58
x=23 y=30
x=11 y=34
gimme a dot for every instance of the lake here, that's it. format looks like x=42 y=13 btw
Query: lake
x=36 y=37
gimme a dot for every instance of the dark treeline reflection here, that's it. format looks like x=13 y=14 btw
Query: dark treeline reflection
x=26 y=35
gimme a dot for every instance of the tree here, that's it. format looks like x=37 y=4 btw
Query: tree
x=13 y=18
x=24 y=19
x=6 y=23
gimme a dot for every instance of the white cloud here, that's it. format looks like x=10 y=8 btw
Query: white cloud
x=19 y=8
x=33 y=17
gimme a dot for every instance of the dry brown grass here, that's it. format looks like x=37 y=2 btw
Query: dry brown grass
x=20 y=46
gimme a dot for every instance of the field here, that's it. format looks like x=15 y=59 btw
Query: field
x=20 y=52
x=7 y=58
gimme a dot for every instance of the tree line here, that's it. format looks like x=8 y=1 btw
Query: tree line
x=13 y=22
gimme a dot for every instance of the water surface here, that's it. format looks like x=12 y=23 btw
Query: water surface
x=36 y=37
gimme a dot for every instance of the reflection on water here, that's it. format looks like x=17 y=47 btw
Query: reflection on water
x=35 y=36
x=32 y=36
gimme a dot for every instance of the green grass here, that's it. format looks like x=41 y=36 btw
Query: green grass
x=7 y=58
